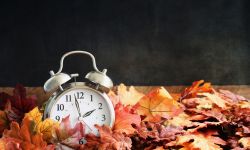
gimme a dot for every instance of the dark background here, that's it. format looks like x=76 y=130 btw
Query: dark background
x=141 y=42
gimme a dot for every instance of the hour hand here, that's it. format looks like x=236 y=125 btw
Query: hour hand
x=88 y=113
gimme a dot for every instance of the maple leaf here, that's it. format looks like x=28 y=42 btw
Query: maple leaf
x=128 y=95
x=42 y=126
x=124 y=120
x=197 y=140
x=24 y=137
x=108 y=140
x=197 y=87
x=18 y=104
x=66 y=135
x=157 y=104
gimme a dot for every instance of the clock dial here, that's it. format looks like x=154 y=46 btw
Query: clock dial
x=82 y=105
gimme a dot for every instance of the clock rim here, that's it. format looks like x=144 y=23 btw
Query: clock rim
x=77 y=85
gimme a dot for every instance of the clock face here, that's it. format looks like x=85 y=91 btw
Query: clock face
x=83 y=105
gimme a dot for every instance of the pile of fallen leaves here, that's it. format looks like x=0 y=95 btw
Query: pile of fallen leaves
x=198 y=118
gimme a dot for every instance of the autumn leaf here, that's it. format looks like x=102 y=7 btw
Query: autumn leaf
x=42 y=126
x=113 y=97
x=24 y=137
x=67 y=135
x=245 y=141
x=215 y=99
x=231 y=97
x=197 y=87
x=108 y=140
x=156 y=105
x=20 y=100
x=128 y=95
x=4 y=122
x=4 y=97
x=149 y=135
x=206 y=101
x=124 y=120
x=182 y=120
x=18 y=104
x=204 y=141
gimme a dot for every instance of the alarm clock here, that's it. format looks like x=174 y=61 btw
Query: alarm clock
x=85 y=102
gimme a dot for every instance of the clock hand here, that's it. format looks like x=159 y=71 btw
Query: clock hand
x=77 y=107
x=79 y=112
x=88 y=113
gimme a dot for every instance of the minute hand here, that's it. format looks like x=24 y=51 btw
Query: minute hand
x=78 y=107
x=88 y=113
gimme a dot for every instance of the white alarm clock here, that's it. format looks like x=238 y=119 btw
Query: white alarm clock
x=84 y=102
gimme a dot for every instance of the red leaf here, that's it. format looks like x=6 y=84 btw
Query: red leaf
x=18 y=104
x=67 y=135
x=124 y=119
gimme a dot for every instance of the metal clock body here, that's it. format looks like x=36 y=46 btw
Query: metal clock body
x=85 y=102
x=95 y=107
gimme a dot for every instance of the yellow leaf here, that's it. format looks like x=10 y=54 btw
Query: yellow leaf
x=128 y=95
x=35 y=115
x=245 y=141
x=179 y=121
x=45 y=127
x=215 y=99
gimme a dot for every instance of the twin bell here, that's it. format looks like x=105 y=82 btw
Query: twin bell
x=95 y=77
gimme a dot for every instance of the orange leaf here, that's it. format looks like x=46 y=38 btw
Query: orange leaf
x=197 y=140
x=156 y=104
x=196 y=87
x=4 y=122
x=24 y=137
x=124 y=119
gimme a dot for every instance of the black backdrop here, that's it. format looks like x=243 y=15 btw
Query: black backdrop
x=141 y=42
